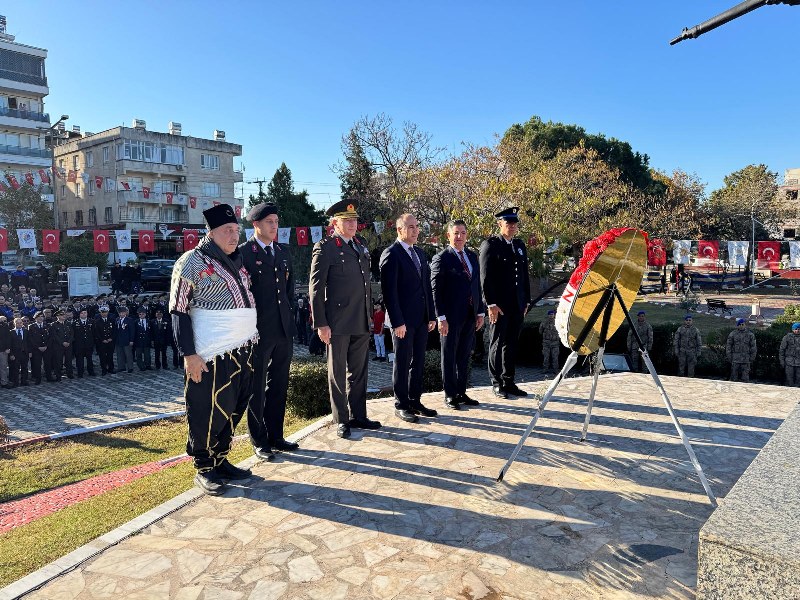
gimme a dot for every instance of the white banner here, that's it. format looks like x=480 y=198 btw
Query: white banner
x=316 y=234
x=378 y=227
x=27 y=239
x=75 y=232
x=123 y=239
x=554 y=247
x=681 y=251
x=738 y=253
x=283 y=235
x=794 y=254
x=248 y=233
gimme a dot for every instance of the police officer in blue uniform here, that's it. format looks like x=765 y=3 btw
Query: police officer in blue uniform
x=507 y=295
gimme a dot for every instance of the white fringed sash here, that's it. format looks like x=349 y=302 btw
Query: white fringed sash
x=219 y=331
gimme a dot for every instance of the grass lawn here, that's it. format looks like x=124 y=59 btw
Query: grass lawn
x=47 y=465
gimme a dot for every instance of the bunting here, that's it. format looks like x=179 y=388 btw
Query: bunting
x=98 y=182
x=737 y=253
x=190 y=239
x=316 y=234
x=769 y=255
x=50 y=240
x=681 y=251
x=193 y=201
x=12 y=180
x=794 y=255
x=656 y=252
x=100 y=240
x=3 y=239
x=123 y=239
x=302 y=236
x=169 y=198
x=75 y=232
x=146 y=240
x=29 y=178
x=27 y=239
x=283 y=235
x=708 y=251
x=44 y=176
x=72 y=176
x=378 y=225
x=145 y=192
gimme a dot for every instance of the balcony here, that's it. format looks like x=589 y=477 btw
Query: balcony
x=23 y=77
x=24 y=114
x=20 y=151
x=152 y=215
x=180 y=198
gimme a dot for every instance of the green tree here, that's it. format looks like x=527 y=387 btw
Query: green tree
x=24 y=209
x=77 y=252
x=357 y=176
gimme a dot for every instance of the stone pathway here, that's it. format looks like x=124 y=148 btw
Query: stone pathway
x=412 y=511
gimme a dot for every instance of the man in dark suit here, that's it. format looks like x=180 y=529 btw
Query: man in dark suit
x=455 y=279
x=507 y=294
x=272 y=285
x=104 y=334
x=5 y=350
x=38 y=341
x=406 y=288
x=83 y=342
x=125 y=337
x=19 y=356
x=161 y=332
x=142 y=340
x=341 y=303
x=60 y=351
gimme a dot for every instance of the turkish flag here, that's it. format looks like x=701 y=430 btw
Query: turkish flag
x=708 y=250
x=146 y=192
x=45 y=177
x=29 y=178
x=329 y=230
x=146 y=240
x=656 y=256
x=179 y=245
x=361 y=227
x=189 y=238
x=3 y=187
x=3 y=240
x=238 y=210
x=302 y=236
x=169 y=197
x=193 y=201
x=100 y=240
x=13 y=181
x=769 y=255
x=72 y=176
x=50 y=240
x=98 y=182
x=126 y=185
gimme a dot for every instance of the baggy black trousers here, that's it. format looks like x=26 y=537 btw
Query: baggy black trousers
x=215 y=405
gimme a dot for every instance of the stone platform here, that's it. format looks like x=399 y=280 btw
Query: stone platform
x=413 y=511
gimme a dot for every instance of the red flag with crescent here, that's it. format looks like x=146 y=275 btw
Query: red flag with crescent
x=50 y=240
x=656 y=255
x=29 y=178
x=169 y=197
x=3 y=187
x=3 y=240
x=100 y=240
x=769 y=255
x=708 y=250
x=72 y=176
x=44 y=176
x=146 y=240
x=302 y=236
x=193 y=201
x=126 y=185
x=98 y=182
x=329 y=230
x=189 y=239
x=13 y=181
x=238 y=211
x=146 y=192
x=361 y=227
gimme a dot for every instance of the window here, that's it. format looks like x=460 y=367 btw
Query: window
x=78 y=190
x=135 y=183
x=105 y=154
x=61 y=164
x=109 y=218
x=150 y=152
x=209 y=161
x=110 y=184
x=164 y=186
x=169 y=214
x=91 y=187
x=89 y=159
x=63 y=192
x=78 y=217
x=92 y=216
x=75 y=162
x=137 y=214
x=211 y=190
x=65 y=218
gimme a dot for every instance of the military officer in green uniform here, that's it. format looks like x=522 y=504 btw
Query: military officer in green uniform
x=741 y=351
x=341 y=305
x=645 y=331
x=687 y=343
x=789 y=355
x=551 y=343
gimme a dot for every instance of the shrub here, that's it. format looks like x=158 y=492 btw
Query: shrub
x=4 y=431
x=308 y=395
x=790 y=314
x=432 y=373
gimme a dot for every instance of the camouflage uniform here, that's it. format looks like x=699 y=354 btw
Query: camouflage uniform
x=551 y=345
x=790 y=358
x=645 y=331
x=687 y=342
x=741 y=351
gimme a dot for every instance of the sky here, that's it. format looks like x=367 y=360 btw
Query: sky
x=288 y=80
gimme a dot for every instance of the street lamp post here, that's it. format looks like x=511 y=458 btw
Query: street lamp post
x=51 y=130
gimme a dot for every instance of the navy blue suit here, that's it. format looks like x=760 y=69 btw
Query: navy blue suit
x=409 y=301
x=457 y=297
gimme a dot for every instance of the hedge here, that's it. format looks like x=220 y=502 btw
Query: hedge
x=711 y=363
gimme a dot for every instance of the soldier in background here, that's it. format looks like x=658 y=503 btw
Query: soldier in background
x=38 y=341
x=741 y=351
x=790 y=356
x=645 y=331
x=551 y=343
x=687 y=343
x=83 y=342
x=60 y=350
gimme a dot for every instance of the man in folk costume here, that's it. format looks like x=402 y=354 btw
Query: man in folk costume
x=341 y=305
x=214 y=323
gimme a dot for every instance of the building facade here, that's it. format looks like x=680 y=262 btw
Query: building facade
x=133 y=178
x=23 y=122
x=791 y=191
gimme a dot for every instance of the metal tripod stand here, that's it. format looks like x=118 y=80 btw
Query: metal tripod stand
x=605 y=308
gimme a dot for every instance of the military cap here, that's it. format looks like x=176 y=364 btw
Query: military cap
x=344 y=209
x=103 y=308
x=260 y=211
x=640 y=313
x=60 y=313
x=38 y=314
x=795 y=326
x=510 y=214
x=219 y=215
x=551 y=312
x=687 y=318
x=740 y=321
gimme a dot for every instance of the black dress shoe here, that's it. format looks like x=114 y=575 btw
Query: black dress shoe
x=264 y=454
x=419 y=409
x=365 y=424
x=467 y=401
x=284 y=446
x=343 y=430
x=210 y=483
x=515 y=390
x=405 y=415
x=228 y=471
x=451 y=402
x=499 y=391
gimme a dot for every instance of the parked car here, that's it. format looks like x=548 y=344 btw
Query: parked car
x=157 y=274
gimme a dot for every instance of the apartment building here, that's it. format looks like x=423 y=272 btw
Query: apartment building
x=23 y=122
x=134 y=178
x=791 y=191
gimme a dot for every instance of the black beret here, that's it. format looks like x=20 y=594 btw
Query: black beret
x=219 y=215
x=260 y=211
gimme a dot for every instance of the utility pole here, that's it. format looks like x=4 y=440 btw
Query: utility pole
x=260 y=183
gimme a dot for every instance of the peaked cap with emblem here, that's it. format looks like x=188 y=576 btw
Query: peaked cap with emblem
x=510 y=214
x=344 y=209
x=219 y=215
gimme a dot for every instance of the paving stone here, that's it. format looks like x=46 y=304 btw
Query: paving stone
x=304 y=569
